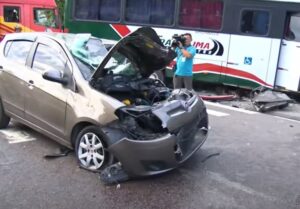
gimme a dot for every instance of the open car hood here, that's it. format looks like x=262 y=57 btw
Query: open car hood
x=144 y=48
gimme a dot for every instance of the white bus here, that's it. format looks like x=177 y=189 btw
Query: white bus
x=245 y=43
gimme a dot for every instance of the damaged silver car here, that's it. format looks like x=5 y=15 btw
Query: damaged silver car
x=98 y=98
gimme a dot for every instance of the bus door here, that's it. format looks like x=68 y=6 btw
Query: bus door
x=12 y=18
x=249 y=53
x=288 y=71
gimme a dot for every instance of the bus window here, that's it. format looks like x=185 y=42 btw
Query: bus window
x=45 y=17
x=107 y=10
x=255 y=22
x=201 y=14
x=294 y=28
x=11 y=14
x=155 y=12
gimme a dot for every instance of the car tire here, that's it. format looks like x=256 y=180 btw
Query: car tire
x=4 y=119
x=90 y=148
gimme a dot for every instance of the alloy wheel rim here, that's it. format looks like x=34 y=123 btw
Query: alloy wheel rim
x=91 y=151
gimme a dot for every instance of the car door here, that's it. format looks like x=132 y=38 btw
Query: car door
x=13 y=75
x=45 y=103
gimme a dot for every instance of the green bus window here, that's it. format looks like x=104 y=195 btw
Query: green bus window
x=45 y=17
x=255 y=22
x=207 y=14
x=107 y=10
x=11 y=14
x=154 y=12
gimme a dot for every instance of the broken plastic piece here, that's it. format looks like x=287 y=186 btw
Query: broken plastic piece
x=218 y=97
x=63 y=152
x=114 y=174
x=265 y=99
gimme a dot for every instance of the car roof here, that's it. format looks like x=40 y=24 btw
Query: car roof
x=59 y=37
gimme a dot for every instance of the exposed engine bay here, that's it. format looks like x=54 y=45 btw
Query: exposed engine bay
x=142 y=91
x=147 y=101
x=140 y=96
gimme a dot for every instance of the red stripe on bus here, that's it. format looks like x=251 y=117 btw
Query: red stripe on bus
x=227 y=70
x=121 y=29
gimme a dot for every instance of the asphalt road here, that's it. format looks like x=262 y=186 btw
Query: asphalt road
x=254 y=163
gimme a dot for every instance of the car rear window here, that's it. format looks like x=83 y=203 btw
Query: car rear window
x=17 y=50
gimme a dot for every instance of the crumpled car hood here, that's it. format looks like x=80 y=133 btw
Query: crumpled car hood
x=144 y=48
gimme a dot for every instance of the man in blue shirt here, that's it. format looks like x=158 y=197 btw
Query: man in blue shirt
x=183 y=76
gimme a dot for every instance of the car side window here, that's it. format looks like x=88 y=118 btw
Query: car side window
x=47 y=58
x=17 y=50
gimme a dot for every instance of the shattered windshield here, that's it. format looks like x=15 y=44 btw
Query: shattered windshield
x=88 y=51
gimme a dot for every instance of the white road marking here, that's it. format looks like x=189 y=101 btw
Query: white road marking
x=291 y=120
x=15 y=135
x=230 y=108
x=238 y=186
x=216 y=113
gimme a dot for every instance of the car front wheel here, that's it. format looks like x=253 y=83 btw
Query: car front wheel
x=90 y=149
x=4 y=119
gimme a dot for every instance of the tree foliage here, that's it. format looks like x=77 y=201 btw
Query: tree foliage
x=60 y=5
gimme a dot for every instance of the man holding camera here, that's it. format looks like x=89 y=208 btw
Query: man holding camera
x=183 y=75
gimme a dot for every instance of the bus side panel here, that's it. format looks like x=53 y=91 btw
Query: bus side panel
x=212 y=52
x=248 y=61
x=273 y=62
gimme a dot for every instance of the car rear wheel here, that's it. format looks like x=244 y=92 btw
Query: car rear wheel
x=90 y=149
x=4 y=119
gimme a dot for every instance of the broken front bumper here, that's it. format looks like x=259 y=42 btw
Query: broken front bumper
x=150 y=157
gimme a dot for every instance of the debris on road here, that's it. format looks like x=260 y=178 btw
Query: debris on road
x=63 y=152
x=114 y=174
x=209 y=156
x=264 y=99
x=218 y=97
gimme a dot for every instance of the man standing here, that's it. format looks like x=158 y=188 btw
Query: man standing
x=183 y=76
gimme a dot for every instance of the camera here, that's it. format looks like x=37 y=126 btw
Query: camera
x=178 y=38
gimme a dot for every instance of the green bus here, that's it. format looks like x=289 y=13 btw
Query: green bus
x=245 y=43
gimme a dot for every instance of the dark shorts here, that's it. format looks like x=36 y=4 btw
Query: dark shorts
x=183 y=82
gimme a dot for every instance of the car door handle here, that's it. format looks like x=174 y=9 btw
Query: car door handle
x=30 y=83
x=1 y=67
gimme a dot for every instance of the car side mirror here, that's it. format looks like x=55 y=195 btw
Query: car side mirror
x=55 y=76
